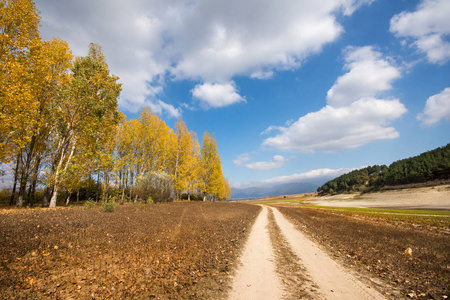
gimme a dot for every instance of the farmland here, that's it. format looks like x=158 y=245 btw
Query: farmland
x=377 y=246
x=175 y=250
x=191 y=250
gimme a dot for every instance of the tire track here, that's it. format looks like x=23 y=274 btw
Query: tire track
x=256 y=277
x=334 y=282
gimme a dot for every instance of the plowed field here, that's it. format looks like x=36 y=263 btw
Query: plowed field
x=176 y=250
x=409 y=260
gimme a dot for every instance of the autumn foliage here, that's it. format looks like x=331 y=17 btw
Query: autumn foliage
x=61 y=131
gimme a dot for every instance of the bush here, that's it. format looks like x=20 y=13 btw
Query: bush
x=90 y=203
x=108 y=206
x=156 y=187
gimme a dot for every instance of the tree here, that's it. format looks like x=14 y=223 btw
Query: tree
x=154 y=143
x=19 y=22
x=50 y=64
x=191 y=169
x=227 y=189
x=185 y=159
x=211 y=176
x=86 y=109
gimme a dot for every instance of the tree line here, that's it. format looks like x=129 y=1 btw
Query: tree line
x=62 y=133
x=428 y=166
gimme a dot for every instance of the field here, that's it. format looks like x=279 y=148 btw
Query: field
x=176 y=250
x=408 y=258
x=190 y=250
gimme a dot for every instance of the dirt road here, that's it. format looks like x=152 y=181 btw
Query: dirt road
x=257 y=277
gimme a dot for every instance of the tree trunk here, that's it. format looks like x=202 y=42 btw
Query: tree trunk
x=54 y=196
x=16 y=175
x=78 y=195
x=26 y=172
x=45 y=199
x=189 y=196
x=56 y=185
x=32 y=192
x=68 y=198
x=96 y=187
x=22 y=187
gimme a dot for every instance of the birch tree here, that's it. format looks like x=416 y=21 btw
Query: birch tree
x=85 y=109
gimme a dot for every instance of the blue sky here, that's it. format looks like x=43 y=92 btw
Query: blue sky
x=293 y=89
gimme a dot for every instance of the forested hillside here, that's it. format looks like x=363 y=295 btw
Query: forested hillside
x=428 y=166
x=62 y=135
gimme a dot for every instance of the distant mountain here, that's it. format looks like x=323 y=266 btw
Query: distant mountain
x=277 y=190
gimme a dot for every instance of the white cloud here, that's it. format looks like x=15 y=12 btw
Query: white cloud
x=158 y=107
x=278 y=161
x=331 y=128
x=216 y=94
x=269 y=129
x=429 y=26
x=262 y=75
x=241 y=159
x=147 y=43
x=368 y=75
x=313 y=175
x=353 y=116
x=437 y=107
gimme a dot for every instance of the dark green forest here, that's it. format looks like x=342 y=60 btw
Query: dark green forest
x=428 y=166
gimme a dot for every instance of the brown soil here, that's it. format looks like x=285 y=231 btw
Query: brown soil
x=177 y=250
x=381 y=249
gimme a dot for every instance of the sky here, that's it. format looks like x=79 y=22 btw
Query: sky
x=293 y=90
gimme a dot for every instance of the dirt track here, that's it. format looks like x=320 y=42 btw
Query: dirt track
x=257 y=277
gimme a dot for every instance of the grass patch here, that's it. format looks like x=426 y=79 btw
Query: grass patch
x=439 y=218
x=108 y=206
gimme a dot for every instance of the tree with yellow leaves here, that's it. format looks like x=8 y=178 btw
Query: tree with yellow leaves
x=185 y=159
x=86 y=110
x=211 y=176
x=227 y=189
x=19 y=22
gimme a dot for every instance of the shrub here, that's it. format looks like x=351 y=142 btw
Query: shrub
x=108 y=206
x=155 y=187
x=90 y=203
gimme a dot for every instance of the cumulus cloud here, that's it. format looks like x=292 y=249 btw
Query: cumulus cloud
x=437 y=108
x=313 y=175
x=353 y=116
x=278 y=161
x=332 y=128
x=216 y=94
x=148 y=43
x=428 y=27
x=368 y=75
